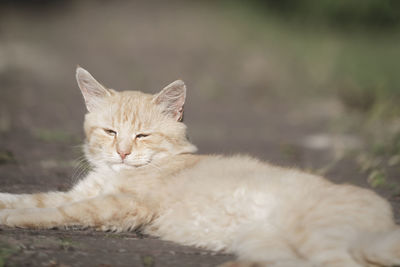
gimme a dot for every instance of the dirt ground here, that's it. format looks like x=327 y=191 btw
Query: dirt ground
x=236 y=104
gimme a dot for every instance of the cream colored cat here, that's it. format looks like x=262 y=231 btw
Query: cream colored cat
x=146 y=175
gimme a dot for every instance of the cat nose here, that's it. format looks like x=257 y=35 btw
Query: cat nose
x=123 y=154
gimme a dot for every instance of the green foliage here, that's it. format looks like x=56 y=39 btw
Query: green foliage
x=347 y=48
x=358 y=64
x=381 y=157
x=367 y=75
x=377 y=178
x=342 y=13
x=67 y=244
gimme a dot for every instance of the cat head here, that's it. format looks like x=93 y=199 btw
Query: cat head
x=132 y=129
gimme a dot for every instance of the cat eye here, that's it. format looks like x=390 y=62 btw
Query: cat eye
x=110 y=132
x=141 y=135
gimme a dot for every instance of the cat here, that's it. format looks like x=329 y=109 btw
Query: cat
x=146 y=175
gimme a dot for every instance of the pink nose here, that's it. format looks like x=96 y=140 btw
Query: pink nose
x=123 y=154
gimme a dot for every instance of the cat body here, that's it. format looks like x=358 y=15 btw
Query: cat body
x=146 y=176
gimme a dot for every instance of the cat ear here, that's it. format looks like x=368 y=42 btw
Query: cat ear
x=93 y=92
x=172 y=99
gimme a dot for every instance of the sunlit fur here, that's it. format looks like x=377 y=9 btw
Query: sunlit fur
x=131 y=113
x=146 y=175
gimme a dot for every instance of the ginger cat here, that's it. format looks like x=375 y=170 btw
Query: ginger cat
x=146 y=175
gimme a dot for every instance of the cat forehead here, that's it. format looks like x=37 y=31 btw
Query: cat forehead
x=130 y=96
x=128 y=99
x=128 y=106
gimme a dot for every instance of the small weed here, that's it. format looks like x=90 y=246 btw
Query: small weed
x=5 y=253
x=67 y=244
x=7 y=156
x=148 y=261
x=290 y=151
x=377 y=178
x=115 y=235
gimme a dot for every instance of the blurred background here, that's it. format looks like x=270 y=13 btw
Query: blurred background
x=312 y=84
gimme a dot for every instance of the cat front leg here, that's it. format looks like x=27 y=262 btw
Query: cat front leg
x=39 y=200
x=87 y=187
x=109 y=212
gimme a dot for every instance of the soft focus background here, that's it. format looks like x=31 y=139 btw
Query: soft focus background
x=313 y=84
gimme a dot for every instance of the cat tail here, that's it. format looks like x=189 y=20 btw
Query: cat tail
x=380 y=249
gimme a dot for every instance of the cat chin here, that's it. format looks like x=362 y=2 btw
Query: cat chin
x=121 y=166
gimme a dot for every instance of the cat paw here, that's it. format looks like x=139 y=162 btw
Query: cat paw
x=15 y=218
x=12 y=218
x=2 y=201
x=30 y=218
x=6 y=199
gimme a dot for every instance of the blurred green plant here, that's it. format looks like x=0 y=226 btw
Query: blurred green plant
x=377 y=178
x=6 y=252
x=345 y=48
x=67 y=244
x=341 y=13
x=7 y=156
x=381 y=157
x=358 y=64
x=148 y=261
x=367 y=75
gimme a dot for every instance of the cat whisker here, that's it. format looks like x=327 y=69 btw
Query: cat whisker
x=82 y=166
x=152 y=164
